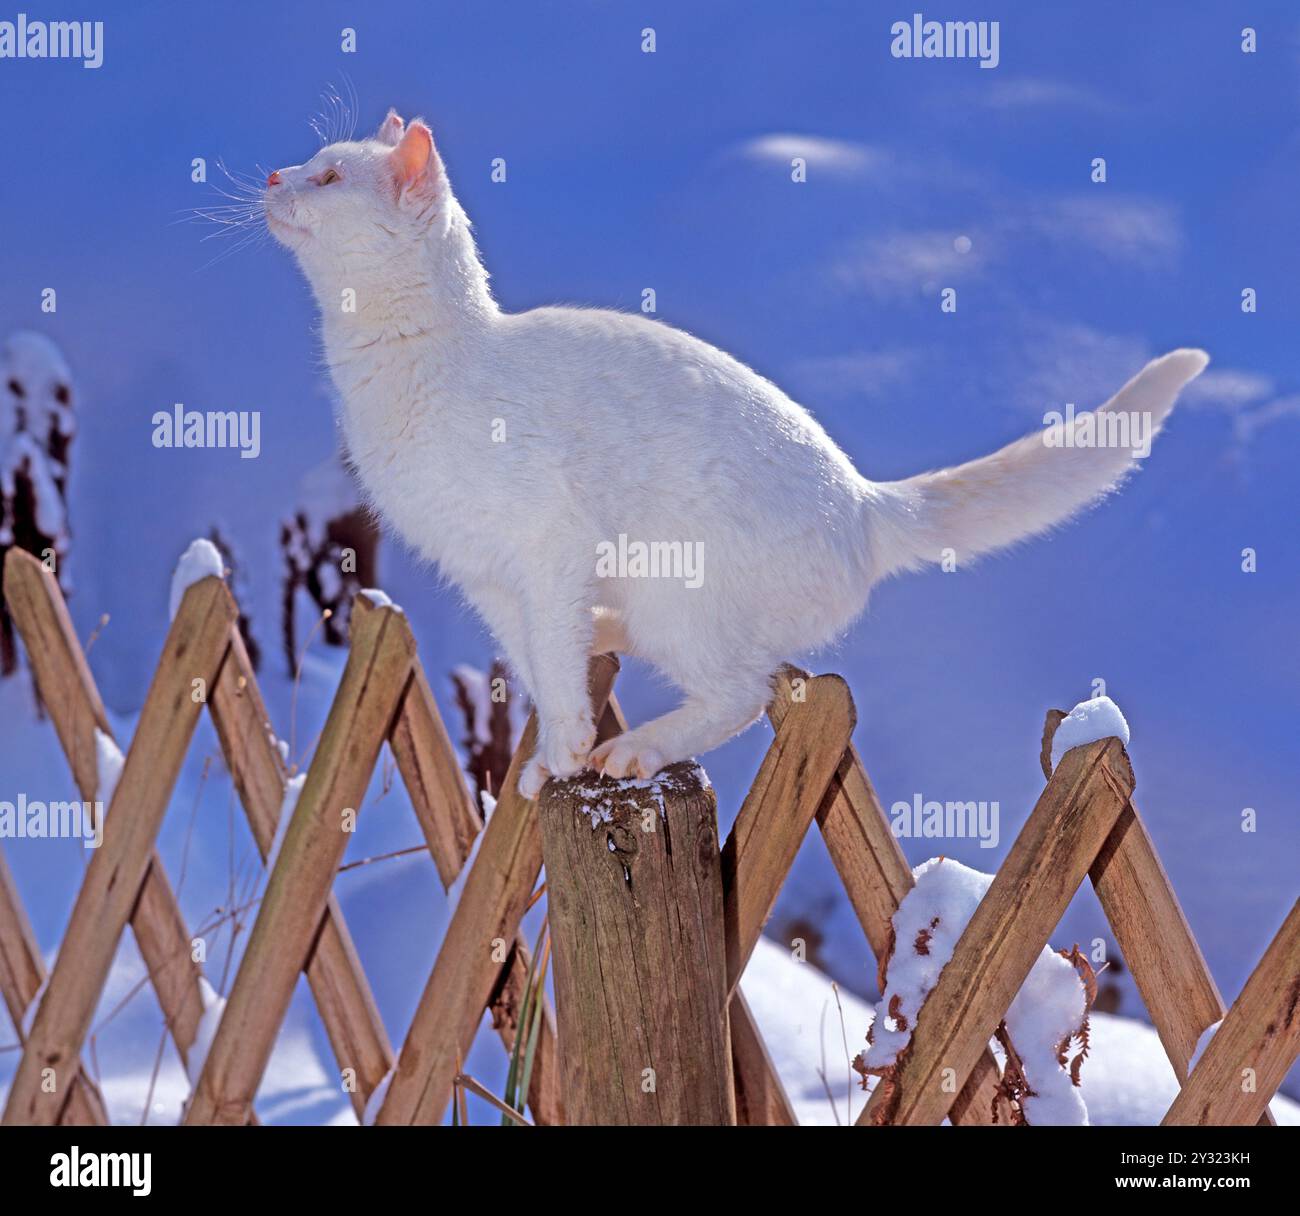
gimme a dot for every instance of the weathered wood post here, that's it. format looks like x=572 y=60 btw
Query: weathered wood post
x=634 y=891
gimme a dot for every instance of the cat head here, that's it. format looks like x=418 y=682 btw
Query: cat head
x=363 y=202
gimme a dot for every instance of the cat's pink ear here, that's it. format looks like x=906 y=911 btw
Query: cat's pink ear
x=414 y=159
x=390 y=130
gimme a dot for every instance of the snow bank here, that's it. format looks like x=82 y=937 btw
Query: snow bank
x=376 y=1100
x=213 y=1007
x=326 y=492
x=457 y=888
x=1201 y=1044
x=1087 y=722
x=292 y=790
x=1128 y=1079
x=199 y=561
x=108 y=765
x=29 y=1014
x=799 y=1014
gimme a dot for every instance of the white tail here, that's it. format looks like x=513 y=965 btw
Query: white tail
x=1030 y=485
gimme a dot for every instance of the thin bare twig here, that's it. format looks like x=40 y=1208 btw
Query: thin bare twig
x=464 y=1081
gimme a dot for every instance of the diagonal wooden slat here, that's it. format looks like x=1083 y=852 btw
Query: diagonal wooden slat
x=450 y=821
x=67 y=688
x=22 y=972
x=1030 y=892
x=757 y=856
x=69 y=693
x=775 y=815
x=876 y=876
x=334 y=974
x=195 y=646
x=761 y=1100
x=298 y=889
x=1250 y=1054
x=478 y=940
x=1151 y=931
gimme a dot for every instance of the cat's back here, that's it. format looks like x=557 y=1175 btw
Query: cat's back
x=670 y=395
x=601 y=345
x=631 y=365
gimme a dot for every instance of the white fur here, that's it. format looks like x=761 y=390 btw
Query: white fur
x=619 y=424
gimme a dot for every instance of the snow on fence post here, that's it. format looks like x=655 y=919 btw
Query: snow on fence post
x=634 y=889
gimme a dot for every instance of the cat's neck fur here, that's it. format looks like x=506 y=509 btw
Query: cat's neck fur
x=435 y=294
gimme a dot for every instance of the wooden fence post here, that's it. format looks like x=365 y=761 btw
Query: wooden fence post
x=634 y=889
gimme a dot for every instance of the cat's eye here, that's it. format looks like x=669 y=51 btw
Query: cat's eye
x=329 y=177
x=16 y=388
x=62 y=394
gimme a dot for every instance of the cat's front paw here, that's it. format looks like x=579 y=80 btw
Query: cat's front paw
x=562 y=750
x=533 y=777
x=627 y=756
x=565 y=743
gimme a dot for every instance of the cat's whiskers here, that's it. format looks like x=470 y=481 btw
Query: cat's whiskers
x=250 y=184
x=253 y=237
x=242 y=218
x=336 y=122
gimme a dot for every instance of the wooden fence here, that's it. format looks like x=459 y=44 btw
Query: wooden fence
x=1085 y=825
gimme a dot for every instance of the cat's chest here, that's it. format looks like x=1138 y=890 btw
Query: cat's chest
x=416 y=455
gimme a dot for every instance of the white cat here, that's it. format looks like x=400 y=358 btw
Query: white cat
x=515 y=449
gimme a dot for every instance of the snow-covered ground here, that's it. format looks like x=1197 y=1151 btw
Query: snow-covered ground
x=1126 y=1078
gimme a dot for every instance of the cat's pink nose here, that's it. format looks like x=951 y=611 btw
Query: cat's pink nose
x=274 y=179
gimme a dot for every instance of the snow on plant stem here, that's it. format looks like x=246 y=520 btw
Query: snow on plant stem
x=1049 y=1009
